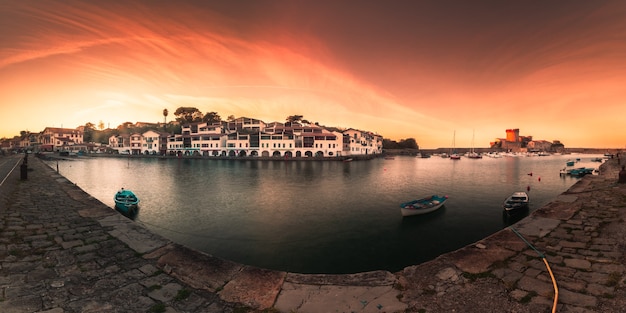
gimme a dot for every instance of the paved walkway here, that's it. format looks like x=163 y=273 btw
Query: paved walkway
x=63 y=251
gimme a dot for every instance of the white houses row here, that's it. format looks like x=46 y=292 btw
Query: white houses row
x=251 y=137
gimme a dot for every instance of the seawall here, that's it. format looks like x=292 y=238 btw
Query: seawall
x=61 y=250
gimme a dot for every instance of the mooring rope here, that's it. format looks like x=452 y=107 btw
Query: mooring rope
x=11 y=171
x=545 y=261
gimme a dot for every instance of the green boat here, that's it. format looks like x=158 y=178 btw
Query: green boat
x=126 y=202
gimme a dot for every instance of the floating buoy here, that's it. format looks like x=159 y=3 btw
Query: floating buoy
x=530 y=174
x=528 y=188
x=539 y=179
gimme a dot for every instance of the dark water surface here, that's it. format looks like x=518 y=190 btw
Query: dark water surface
x=322 y=216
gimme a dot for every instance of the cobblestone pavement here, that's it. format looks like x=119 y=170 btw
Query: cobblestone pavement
x=55 y=257
x=63 y=251
x=582 y=237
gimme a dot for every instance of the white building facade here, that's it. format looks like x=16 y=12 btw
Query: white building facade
x=60 y=139
x=245 y=137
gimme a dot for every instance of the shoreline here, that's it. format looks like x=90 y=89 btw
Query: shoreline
x=55 y=156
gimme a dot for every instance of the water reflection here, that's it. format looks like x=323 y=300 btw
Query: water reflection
x=320 y=217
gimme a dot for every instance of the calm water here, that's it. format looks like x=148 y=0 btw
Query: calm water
x=322 y=216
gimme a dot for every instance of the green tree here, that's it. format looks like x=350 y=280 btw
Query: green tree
x=212 y=117
x=390 y=144
x=165 y=113
x=88 y=132
x=187 y=115
x=409 y=143
x=294 y=118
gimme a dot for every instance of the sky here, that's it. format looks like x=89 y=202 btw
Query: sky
x=444 y=72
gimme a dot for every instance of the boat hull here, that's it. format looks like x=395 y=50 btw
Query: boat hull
x=422 y=206
x=516 y=203
x=126 y=202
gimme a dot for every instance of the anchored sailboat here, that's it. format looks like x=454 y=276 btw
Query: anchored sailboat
x=473 y=154
x=453 y=154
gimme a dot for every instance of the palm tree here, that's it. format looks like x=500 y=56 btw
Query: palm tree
x=165 y=112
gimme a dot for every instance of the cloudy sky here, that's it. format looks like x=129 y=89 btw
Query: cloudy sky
x=404 y=69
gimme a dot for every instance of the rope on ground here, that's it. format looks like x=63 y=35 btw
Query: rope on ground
x=545 y=261
x=11 y=171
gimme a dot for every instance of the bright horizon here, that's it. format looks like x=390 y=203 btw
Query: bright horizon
x=403 y=69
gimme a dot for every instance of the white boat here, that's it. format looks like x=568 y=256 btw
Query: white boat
x=423 y=205
x=495 y=155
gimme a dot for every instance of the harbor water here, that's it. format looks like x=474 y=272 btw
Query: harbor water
x=322 y=216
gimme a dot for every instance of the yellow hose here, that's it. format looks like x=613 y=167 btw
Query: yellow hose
x=545 y=261
x=556 y=288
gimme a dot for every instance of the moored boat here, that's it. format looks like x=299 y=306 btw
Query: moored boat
x=518 y=201
x=423 y=205
x=126 y=202
x=581 y=171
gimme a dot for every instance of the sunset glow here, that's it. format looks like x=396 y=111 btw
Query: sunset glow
x=404 y=69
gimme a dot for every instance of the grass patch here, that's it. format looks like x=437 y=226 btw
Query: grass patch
x=157 y=308
x=528 y=297
x=154 y=287
x=613 y=279
x=428 y=291
x=398 y=286
x=242 y=309
x=182 y=294
x=473 y=277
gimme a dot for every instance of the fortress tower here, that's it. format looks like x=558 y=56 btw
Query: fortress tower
x=512 y=135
